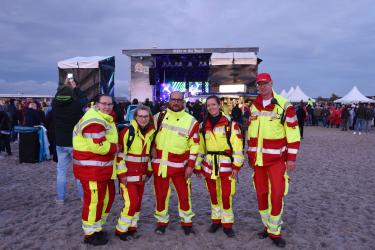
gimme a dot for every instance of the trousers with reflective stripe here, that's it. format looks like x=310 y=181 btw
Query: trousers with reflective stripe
x=98 y=197
x=221 y=190
x=132 y=194
x=163 y=193
x=271 y=185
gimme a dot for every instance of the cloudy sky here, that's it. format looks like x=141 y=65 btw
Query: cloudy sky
x=323 y=46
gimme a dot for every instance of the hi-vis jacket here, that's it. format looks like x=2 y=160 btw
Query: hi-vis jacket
x=133 y=163
x=94 y=146
x=215 y=154
x=176 y=143
x=268 y=139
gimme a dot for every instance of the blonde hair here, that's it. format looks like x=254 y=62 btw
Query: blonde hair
x=145 y=108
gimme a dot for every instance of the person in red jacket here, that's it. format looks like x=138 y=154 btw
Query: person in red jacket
x=95 y=141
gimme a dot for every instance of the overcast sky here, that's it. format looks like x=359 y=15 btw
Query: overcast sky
x=323 y=46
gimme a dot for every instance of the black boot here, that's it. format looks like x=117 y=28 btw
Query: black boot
x=280 y=242
x=96 y=239
x=124 y=236
x=213 y=228
x=263 y=234
x=134 y=234
x=160 y=229
x=188 y=230
x=229 y=232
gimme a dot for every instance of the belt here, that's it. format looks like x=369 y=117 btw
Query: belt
x=216 y=163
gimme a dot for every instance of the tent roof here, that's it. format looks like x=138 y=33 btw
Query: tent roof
x=283 y=93
x=290 y=91
x=354 y=96
x=298 y=95
x=82 y=62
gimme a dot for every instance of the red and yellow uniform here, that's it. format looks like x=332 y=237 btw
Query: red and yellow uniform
x=176 y=144
x=132 y=164
x=272 y=143
x=217 y=159
x=94 y=150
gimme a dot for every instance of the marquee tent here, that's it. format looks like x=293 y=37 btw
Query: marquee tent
x=298 y=95
x=283 y=93
x=291 y=90
x=354 y=96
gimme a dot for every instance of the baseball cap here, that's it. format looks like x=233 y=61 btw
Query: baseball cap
x=263 y=77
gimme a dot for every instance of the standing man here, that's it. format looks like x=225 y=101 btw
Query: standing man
x=95 y=141
x=174 y=153
x=273 y=139
x=67 y=109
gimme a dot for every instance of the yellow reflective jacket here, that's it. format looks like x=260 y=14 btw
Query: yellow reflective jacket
x=268 y=139
x=94 y=146
x=176 y=143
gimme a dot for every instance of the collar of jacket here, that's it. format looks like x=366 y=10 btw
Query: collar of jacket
x=175 y=115
x=223 y=120
x=106 y=117
x=258 y=103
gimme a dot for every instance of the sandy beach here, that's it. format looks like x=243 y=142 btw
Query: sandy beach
x=331 y=204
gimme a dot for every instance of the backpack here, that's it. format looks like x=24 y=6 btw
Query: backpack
x=131 y=134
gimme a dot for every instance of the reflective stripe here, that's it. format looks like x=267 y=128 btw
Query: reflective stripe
x=237 y=152
x=207 y=170
x=225 y=160
x=292 y=151
x=93 y=163
x=174 y=128
x=219 y=130
x=79 y=126
x=195 y=136
x=133 y=158
x=222 y=169
x=273 y=230
x=272 y=114
x=94 y=135
x=135 y=178
x=121 y=167
x=122 y=155
x=286 y=105
x=291 y=119
x=276 y=222
x=192 y=157
x=267 y=150
x=89 y=229
x=123 y=227
x=169 y=163
x=236 y=159
x=126 y=220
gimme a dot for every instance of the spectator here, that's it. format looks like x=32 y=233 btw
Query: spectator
x=361 y=117
x=5 y=127
x=32 y=116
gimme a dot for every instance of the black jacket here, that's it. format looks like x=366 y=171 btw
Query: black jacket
x=66 y=114
x=32 y=118
x=4 y=121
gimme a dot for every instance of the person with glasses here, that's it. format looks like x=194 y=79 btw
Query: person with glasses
x=95 y=147
x=174 y=153
x=132 y=169
x=220 y=158
x=273 y=143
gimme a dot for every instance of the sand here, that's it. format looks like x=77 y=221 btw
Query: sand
x=331 y=204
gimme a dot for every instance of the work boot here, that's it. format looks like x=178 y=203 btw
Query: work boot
x=188 y=230
x=229 y=232
x=124 y=236
x=263 y=234
x=213 y=228
x=280 y=242
x=134 y=234
x=160 y=230
x=96 y=239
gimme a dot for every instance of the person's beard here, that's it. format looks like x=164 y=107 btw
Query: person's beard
x=178 y=110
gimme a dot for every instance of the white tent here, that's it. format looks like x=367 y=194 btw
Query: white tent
x=291 y=90
x=354 y=96
x=298 y=95
x=283 y=93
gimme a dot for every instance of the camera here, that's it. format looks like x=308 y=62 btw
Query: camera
x=70 y=76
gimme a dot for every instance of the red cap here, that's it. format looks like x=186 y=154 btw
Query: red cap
x=263 y=77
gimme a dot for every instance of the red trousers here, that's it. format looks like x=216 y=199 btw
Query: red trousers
x=273 y=175
x=162 y=193
x=98 y=197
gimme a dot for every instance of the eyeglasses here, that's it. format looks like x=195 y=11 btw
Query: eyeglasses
x=106 y=104
x=261 y=84
x=176 y=100
x=143 y=116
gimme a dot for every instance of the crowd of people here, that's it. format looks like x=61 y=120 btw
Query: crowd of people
x=132 y=142
x=358 y=118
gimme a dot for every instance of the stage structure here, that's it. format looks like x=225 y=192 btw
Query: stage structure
x=155 y=73
x=94 y=75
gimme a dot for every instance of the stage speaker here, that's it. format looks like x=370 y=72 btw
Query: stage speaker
x=151 y=76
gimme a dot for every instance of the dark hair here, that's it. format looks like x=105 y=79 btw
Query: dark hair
x=145 y=108
x=100 y=97
x=213 y=97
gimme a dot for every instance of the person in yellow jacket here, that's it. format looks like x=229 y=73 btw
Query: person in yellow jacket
x=174 y=153
x=132 y=169
x=220 y=158
x=273 y=143
x=95 y=141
